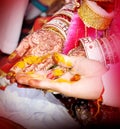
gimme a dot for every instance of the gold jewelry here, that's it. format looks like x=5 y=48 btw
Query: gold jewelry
x=94 y=16
x=61 y=20
x=50 y=28
x=58 y=24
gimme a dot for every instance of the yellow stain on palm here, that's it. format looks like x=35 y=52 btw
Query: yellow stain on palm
x=61 y=80
x=29 y=60
x=32 y=59
x=61 y=59
x=30 y=72
x=58 y=72
x=20 y=64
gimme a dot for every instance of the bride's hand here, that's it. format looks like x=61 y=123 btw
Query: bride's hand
x=32 y=48
x=82 y=80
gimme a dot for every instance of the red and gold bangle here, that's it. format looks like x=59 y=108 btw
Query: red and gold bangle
x=61 y=20
x=94 y=16
x=59 y=25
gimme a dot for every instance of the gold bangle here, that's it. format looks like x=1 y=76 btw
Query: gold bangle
x=58 y=24
x=50 y=28
x=90 y=15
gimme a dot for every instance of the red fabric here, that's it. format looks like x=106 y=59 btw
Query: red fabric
x=39 y=22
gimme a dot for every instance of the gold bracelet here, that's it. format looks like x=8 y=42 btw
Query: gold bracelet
x=50 y=28
x=58 y=24
x=92 y=15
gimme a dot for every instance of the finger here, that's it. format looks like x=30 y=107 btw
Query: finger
x=40 y=84
x=64 y=81
x=23 y=78
x=83 y=88
x=31 y=80
x=50 y=85
x=24 y=45
x=60 y=85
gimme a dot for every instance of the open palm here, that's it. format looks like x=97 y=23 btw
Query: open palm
x=88 y=86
